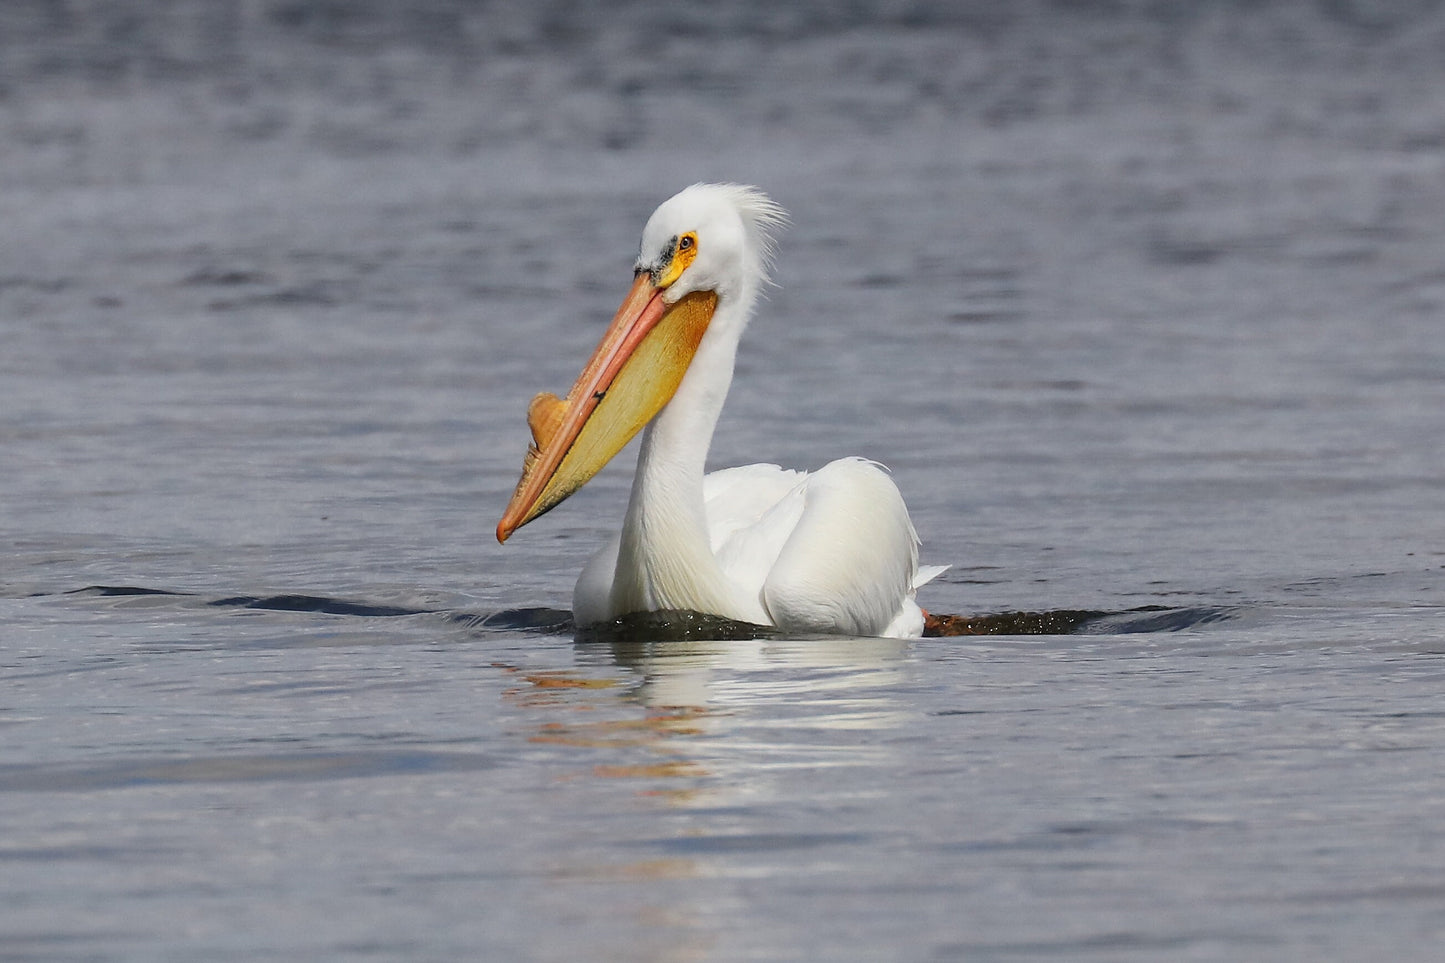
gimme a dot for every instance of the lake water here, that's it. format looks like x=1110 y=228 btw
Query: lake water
x=1144 y=311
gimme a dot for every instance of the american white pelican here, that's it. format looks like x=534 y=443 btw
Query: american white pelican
x=832 y=551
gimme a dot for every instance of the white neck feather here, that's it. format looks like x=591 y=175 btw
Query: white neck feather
x=665 y=560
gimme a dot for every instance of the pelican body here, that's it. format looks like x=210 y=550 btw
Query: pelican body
x=831 y=551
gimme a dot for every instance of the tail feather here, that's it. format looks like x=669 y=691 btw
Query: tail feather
x=927 y=573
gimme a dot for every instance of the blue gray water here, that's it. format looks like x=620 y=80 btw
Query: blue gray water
x=1143 y=308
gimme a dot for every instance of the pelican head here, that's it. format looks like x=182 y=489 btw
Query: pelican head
x=710 y=237
x=704 y=255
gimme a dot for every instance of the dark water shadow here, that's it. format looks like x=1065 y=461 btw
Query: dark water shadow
x=672 y=626
x=646 y=628
x=534 y=619
x=105 y=591
x=539 y=619
x=1141 y=620
x=316 y=604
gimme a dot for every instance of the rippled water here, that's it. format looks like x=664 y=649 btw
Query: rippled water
x=1143 y=312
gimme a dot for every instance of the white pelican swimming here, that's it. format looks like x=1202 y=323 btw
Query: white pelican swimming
x=831 y=551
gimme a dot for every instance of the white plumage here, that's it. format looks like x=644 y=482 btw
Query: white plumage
x=832 y=551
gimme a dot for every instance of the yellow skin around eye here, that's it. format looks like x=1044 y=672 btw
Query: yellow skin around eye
x=685 y=250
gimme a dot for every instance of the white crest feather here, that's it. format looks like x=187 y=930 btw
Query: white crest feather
x=762 y=216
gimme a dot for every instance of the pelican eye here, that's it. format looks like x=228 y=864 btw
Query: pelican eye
x=684 y=249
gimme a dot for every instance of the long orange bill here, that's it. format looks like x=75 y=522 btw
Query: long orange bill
x=630 y=377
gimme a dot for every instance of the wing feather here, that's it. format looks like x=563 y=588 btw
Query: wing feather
x=850 y=562
x=830 y=552
x=751 y=511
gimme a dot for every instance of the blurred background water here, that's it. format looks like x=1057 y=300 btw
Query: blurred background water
x=1141 y=303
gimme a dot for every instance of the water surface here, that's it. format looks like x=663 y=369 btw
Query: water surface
x=1143 y=313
